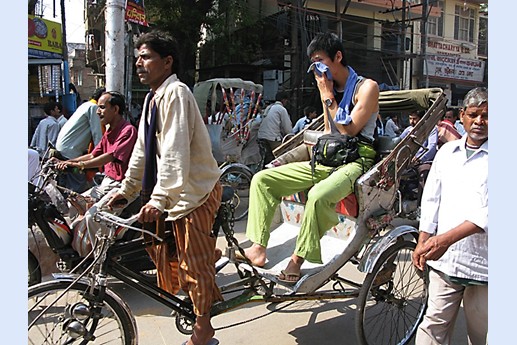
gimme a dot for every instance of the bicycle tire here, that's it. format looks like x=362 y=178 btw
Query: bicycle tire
x=34 y=274
x=391 y=303
x=239 y=178
x=114 y=325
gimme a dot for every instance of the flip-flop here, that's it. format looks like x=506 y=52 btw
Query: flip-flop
x=287 y=275
x=212 y=341
x=241 y=258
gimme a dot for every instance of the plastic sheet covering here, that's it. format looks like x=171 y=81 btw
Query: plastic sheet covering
x=57 y=198
x=215 y=130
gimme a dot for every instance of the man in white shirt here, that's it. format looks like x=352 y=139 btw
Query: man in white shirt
x=47 y=130
x=310 y=113
x=453 y=238
x=275 y=125
x=391 y=129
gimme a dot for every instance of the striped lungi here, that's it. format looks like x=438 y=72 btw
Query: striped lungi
x=192 y=267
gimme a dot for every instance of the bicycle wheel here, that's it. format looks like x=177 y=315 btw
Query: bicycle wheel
x=93 y=319
x=392 y=299
x=34 y=274
x=239 y=178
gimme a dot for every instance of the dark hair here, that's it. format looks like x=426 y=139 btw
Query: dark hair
x=98 y=92
x=308 y=109
x=419 y=113
x=329 y=43
x=47 y=108
x=280 y=95
x=116 y=99
x=163 y=43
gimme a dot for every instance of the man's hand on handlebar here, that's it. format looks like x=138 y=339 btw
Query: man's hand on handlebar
x=149 y=214
x=63 y=165
x=117 y=200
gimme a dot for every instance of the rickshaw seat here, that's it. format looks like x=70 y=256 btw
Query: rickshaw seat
x=384 y=145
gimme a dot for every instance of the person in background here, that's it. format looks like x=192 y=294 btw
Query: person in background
x=446 y=128
x=276 y=123
x=453 y=240
x=380 y=125
x=391 y=129
x=425 y=155
x=112 y=153
x=47 y=130
x=74 y=138
x=173 y=167
x=451 y=115
x=62 y=119
x=33 y=165
x=310 y=113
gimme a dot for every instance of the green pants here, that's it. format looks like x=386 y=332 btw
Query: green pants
x=270 y=185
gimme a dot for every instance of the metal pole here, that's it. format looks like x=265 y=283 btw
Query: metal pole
x=114 y=44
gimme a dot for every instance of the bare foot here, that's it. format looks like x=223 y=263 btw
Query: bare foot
x=293 y=269
x=217 y=254
x=256 y=254
x=203 y=331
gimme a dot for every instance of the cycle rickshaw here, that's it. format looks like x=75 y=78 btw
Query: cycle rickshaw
x=231 y=109
x=391 y=300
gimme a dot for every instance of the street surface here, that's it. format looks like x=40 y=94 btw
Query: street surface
x=300 y=323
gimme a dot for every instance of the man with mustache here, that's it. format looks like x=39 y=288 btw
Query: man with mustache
x=453 y=239
x=173 y=166
x=112 y=153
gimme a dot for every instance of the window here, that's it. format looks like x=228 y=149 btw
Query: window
x=464 y=24
x=483 y=36
x=435 y=24
x=78 y=78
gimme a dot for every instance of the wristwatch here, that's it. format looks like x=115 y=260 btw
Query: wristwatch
x=329 y=101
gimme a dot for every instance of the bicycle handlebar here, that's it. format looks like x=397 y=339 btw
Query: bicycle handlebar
x=103 y=216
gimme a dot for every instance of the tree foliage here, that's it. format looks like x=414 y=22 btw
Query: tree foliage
x=234 y=34
x=183 y=19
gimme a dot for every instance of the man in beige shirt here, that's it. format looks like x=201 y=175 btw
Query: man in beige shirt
x=173 y=166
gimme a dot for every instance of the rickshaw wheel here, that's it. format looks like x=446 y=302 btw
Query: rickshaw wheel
x=392 y=300
x=239 y=179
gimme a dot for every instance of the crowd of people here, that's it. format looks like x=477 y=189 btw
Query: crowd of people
x=165 y=163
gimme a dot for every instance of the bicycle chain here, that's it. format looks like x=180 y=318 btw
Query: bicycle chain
x=254 y=318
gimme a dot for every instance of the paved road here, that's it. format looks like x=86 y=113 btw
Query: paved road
x=302 y=323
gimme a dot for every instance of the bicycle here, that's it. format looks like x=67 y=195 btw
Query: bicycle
x=391 y=299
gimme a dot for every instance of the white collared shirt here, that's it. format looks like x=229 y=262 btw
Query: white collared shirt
x=456 y=190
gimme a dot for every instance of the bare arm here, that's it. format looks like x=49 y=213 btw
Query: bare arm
x=366 y=103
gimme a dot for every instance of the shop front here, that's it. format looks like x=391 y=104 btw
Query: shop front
x=48 y=76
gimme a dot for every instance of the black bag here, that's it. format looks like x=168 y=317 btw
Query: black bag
x=335 y=149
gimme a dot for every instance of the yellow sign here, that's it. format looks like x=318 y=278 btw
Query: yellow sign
x=44 y=37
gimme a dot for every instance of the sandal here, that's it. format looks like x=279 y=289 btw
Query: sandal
x=287 y=275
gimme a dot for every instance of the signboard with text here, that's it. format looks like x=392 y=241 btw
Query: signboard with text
x=454 y=67
x=135 y=12
x=45 y=38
